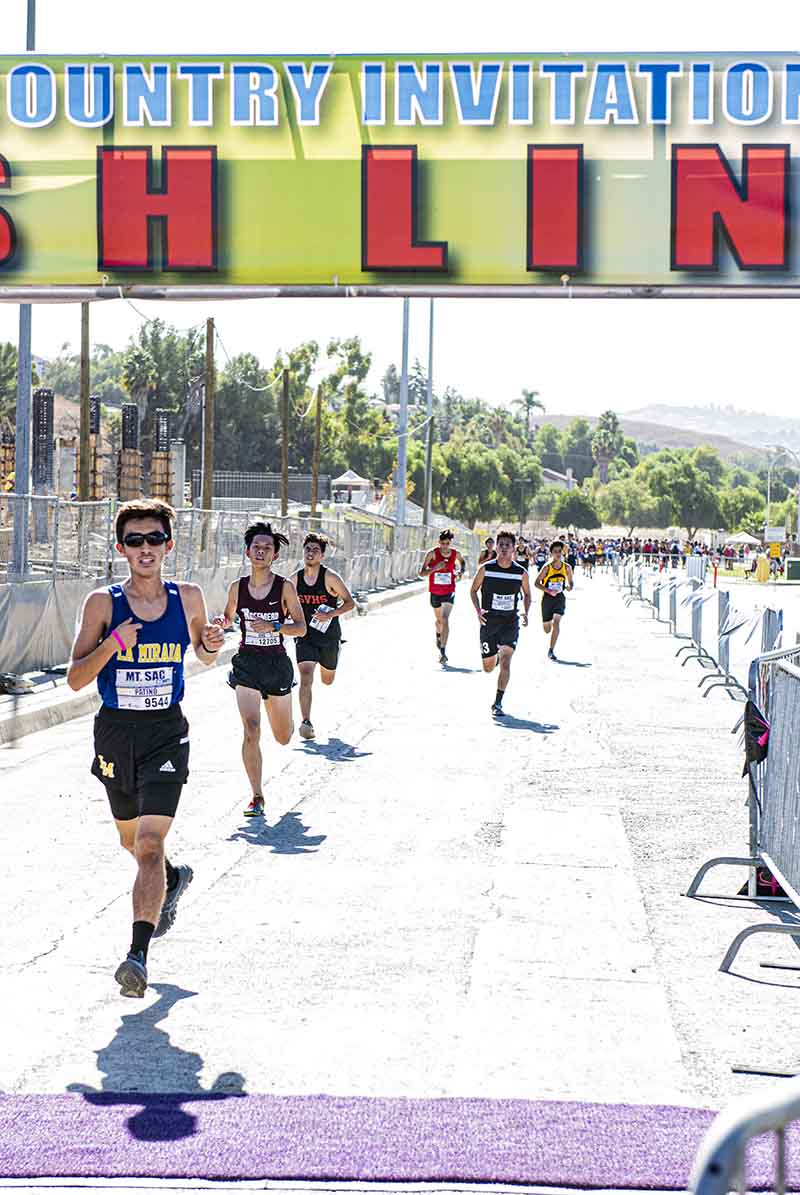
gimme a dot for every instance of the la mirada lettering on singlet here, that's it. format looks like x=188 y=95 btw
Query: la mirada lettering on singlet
x=151 y=653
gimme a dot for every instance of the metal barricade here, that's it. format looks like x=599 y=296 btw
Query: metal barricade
x=70 y=547
x=696 y=651
x=774 y=796
x=696 y=567
x=719 y=1165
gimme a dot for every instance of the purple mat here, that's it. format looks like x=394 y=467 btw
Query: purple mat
x=221 y=1136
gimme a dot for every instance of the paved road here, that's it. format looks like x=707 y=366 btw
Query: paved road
x=437 y=905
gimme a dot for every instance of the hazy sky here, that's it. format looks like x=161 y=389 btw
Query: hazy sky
x=582 y=356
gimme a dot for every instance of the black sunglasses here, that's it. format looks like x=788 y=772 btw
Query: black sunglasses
x=135 y=539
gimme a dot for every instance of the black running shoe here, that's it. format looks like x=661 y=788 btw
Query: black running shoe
x=442 y=656
x=498 y=711
x=132 y=975
x=551 y=655
x=170 y=905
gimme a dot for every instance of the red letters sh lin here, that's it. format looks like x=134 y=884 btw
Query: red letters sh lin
x=708 y=202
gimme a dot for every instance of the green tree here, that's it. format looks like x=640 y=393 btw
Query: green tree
x=390 y=384
x=740 y=476
x=709 y=462
x=547 y=446
x=246 y=418
x=417 y=385
x=741 y=507
x=545 y=500
x=577 y=449
x=8 y=385
x=629 y=452
x=672 y=474
x=528 y=403
x=572 y=508
x=474 y=485
x=629 y=503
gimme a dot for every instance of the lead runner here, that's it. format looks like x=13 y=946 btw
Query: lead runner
x=495 y=595
x=132 y=640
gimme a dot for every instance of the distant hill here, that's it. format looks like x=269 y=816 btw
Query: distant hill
x=653 y=434
x=750 y=427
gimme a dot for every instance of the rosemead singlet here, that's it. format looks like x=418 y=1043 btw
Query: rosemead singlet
x=268 y=609
x=443 y=578
x=316 y=597
x=501 y=589
x=555 y=578
x=149 y=675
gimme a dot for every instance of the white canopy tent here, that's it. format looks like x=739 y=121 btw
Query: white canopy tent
x=350 y=480
x=743 y=538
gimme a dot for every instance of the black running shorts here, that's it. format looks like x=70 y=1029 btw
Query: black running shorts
x=497 y=633
x=439 y=599
x=553 y=604
x=270 y=672
x=313 y=652
x=142 y=758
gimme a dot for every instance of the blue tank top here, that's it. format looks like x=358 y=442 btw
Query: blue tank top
x=149 y=676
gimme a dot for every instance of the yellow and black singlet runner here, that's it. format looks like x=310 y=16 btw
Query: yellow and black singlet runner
x=555 y=578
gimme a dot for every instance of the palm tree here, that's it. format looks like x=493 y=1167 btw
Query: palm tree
x=138 y=376
x=529 y=403
x=606 y=443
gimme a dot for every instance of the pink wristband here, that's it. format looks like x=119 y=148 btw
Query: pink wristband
x=119 y=640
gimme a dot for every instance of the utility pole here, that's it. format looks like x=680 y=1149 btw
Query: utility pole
x=428 y=503
x=521 y=482
x=84 y=454
x=208 y=421
x=22 y=458
x=315 y=461
x=402 y=428
x=285 y=444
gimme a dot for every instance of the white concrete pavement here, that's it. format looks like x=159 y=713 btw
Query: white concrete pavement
x=437 y=904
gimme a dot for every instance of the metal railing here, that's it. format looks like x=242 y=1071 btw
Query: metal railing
x=720 y=638
x=71 y=551
x=774 y=796
x=720 y=1163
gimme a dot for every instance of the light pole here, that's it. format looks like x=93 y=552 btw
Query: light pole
x=428 y=503
x=402 y=428
x=522 y=482
x=22 y=458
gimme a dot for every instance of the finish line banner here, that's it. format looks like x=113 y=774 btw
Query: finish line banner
x=625 y=170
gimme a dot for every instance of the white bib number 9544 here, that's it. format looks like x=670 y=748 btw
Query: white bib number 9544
x=144 y=688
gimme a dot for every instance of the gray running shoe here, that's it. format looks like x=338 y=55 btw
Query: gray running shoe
x=131 y=975
x=170 y=905
x=306 y=729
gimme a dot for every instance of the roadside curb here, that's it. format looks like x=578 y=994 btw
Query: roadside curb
x=65 y=705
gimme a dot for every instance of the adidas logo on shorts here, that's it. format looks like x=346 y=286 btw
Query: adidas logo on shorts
x=167 y=767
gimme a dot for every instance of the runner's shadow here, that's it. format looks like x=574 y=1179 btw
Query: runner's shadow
x=140 y=1059
x=454 y=668
x=524 y=724
x=287 y=837
x=335 y=750
x=571 y=663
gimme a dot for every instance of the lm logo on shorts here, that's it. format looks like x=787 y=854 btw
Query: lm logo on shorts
x=106 y=768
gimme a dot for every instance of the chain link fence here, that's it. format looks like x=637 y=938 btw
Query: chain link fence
x=70 y=551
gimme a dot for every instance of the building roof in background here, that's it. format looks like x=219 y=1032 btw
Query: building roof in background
x=349 y=477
